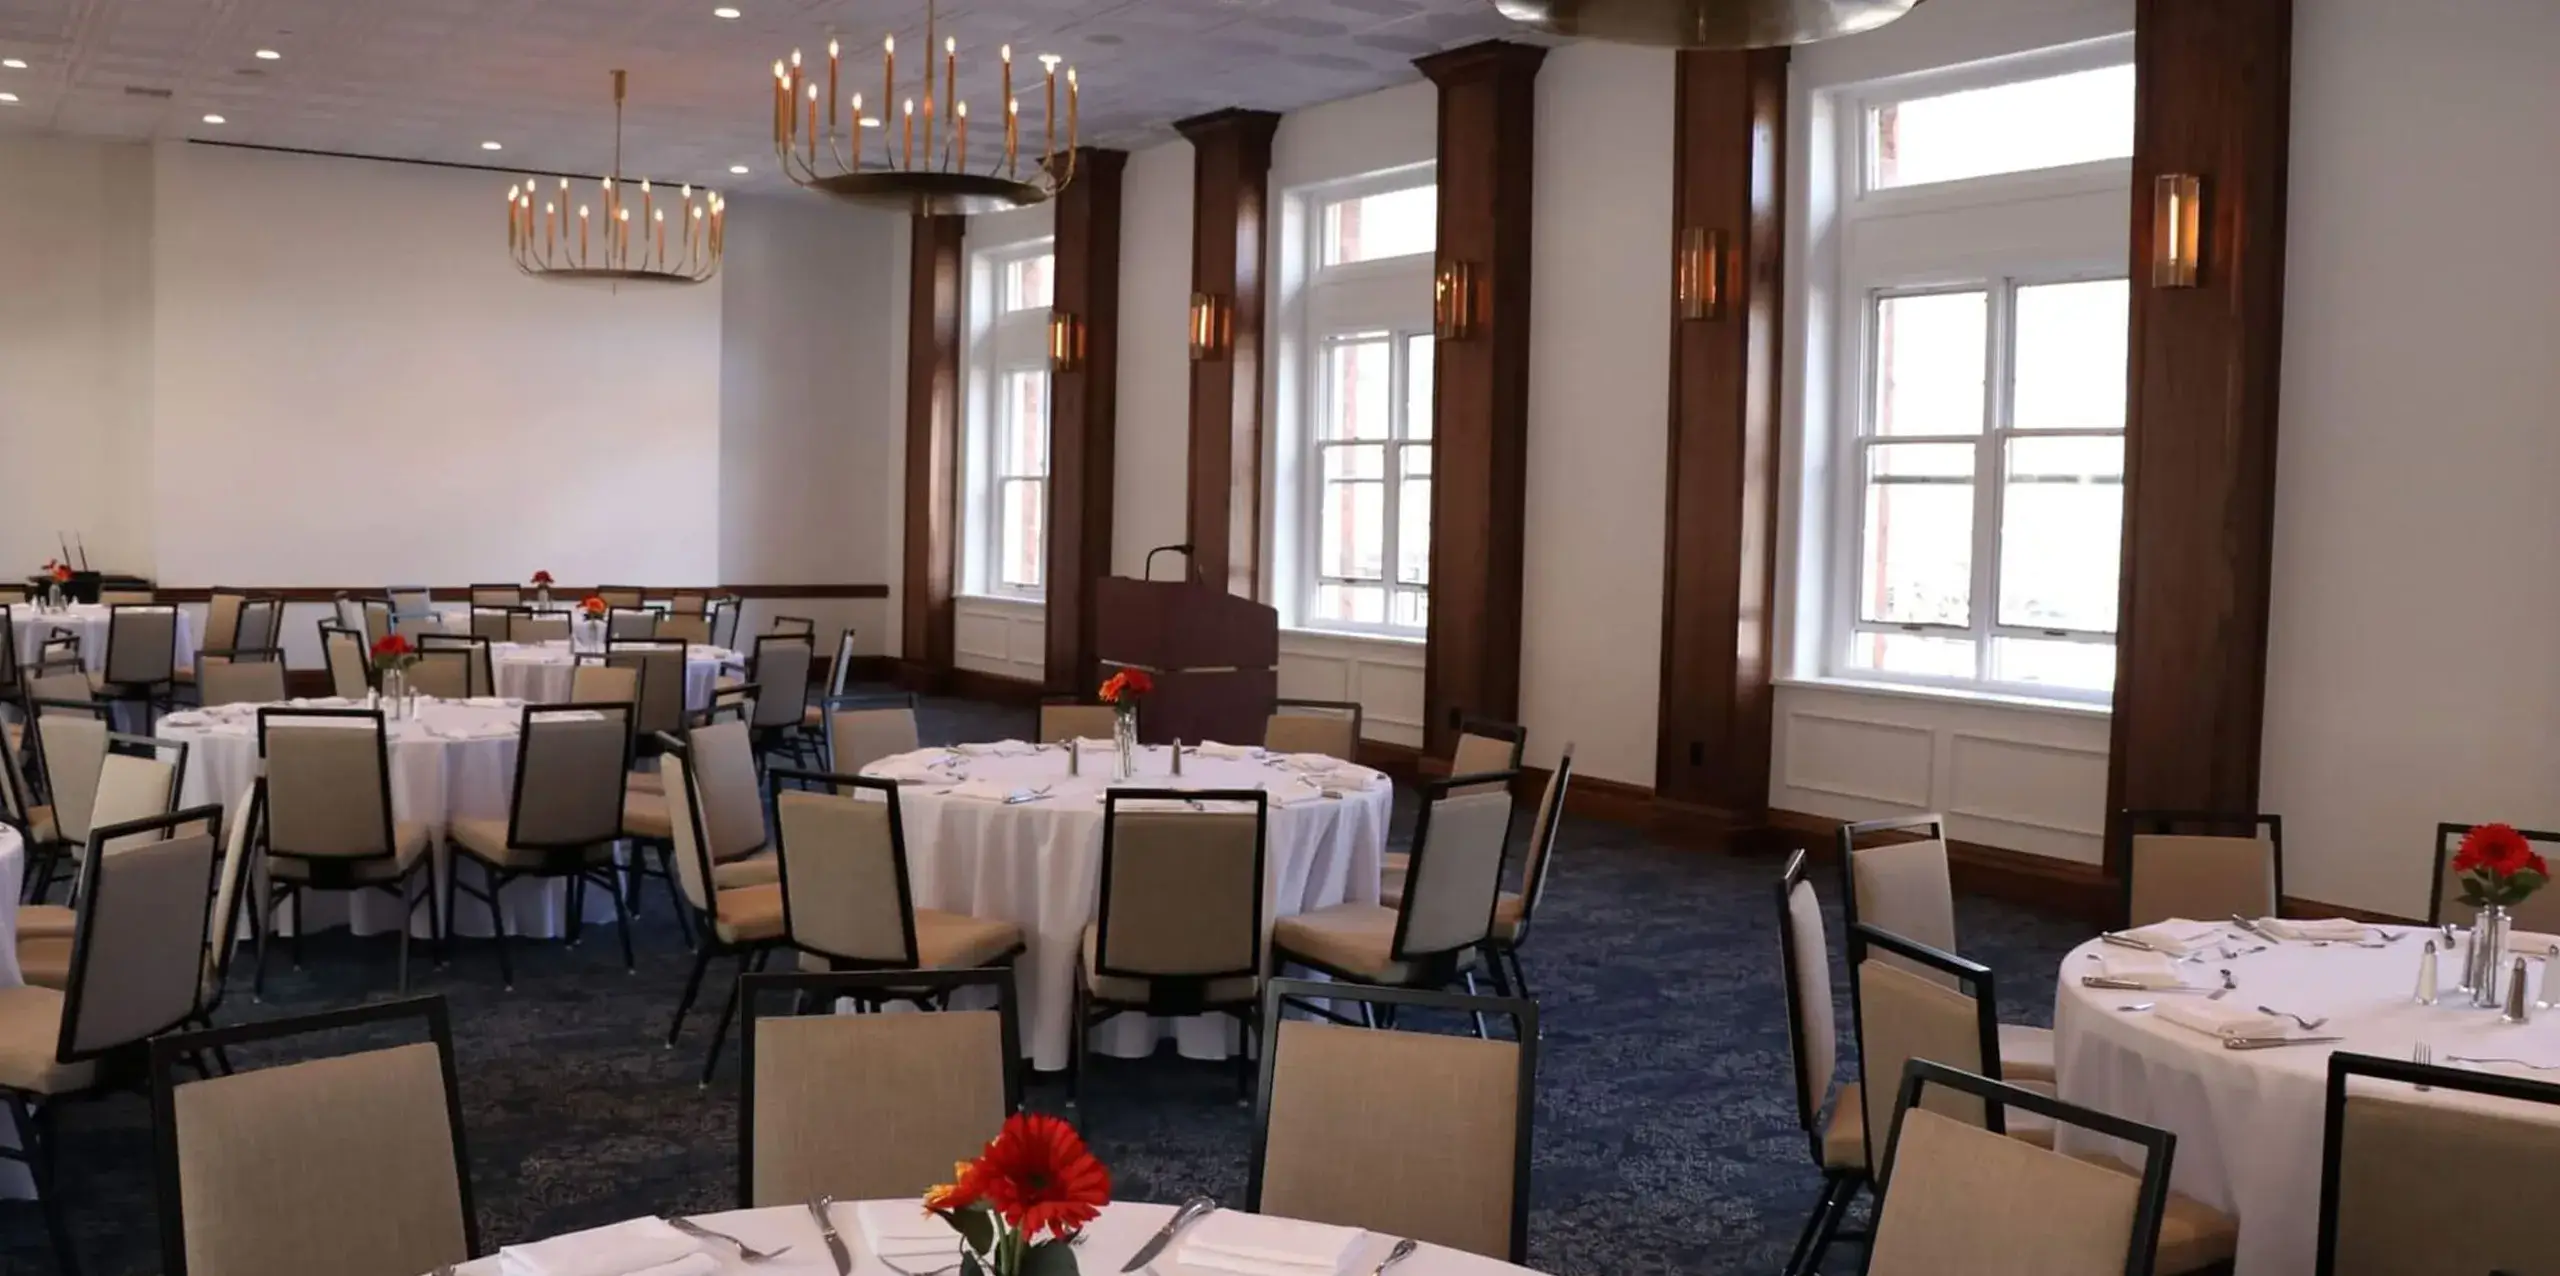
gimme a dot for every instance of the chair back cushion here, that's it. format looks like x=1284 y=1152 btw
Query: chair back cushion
x=1330 y=734
x=1967 y=1200
x=1180 y=893
x=2406 y=1165
x=356 y=1151
x=142 y=643
x=325 y=792
x=1456 y=873
x=1901 y=1017
x=496 y=595
x=1904 y=887
x=871 y=1107
x=260 y=621
x=685 y=627
x=571 y=768
x=2202 y=878
x=1402 y=1133
x=67 y=683
x=345 y=651
x=724 y=775
x=222 y=619
x=693 y=876
x=144 y=943
x=236 y=840
x=781 y=676
x=133 y=788
x=856 y=738
x=1542 y=834
x=542 y=627
x=240 y=681
x=444 y=674
x=631 y=622
x=659 y=673
x=840 y=876
x=490 y=622
x=1808 y=964
x=1063 y=722
x=604 y=684
x=74 y=747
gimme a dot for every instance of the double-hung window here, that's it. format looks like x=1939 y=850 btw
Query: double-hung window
x=1008 y=455
x=1980 y=404
x=1367 y=362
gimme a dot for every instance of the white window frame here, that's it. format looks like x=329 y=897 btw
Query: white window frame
x=1877 y=260
x=1387 y=297
x=1001 y=343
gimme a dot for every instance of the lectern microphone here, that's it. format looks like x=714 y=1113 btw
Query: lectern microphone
x=1184 y=549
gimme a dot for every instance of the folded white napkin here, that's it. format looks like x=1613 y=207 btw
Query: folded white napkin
x=1294 y=793
x=2176 y=935
x=1252 y=1245
x=991 y=791
x=2319 y=928
x=642 y=1245
x=901 y=1229
x=493 y=702
x=2221 y=1018
x=901 y=771
x=995 y=749
x=1231 y=752
x=185 y=719
x=2151 y=970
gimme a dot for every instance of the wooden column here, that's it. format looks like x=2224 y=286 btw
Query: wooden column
x=1083 y=399
x=1480 y=384
x=1720 y=518
x=934 y=282
x=2212 y=96
x=1230 y=206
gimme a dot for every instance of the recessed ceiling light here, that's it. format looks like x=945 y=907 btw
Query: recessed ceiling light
x=14 y=64
x=213 y=119
x=8 y=97
x=737 y=168
x=268 y=55
x=491 y=146
x=724 y=11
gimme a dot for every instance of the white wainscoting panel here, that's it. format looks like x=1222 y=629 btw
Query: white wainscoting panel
x=1000 y=636
x=1383 y=675
x=2020 y=777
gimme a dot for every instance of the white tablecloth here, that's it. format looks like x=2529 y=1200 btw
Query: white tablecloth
x=90 y=622
x=1039 y=865
x=1109 y=1243
x=541 y=672
x=2250 y=1122
x=457 y=759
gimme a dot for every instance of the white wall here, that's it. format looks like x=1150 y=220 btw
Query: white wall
x=1151 y=444
x=2410 y=668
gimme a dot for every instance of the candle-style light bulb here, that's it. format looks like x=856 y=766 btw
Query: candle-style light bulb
x=813 y=123
x=1049 y=114
x=909 y=147
x=832 y=50
x=960 y=110
x=1072 y=98
x=888 y=91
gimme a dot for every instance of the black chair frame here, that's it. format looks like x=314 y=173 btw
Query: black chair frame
x=752 y=954
x=338 y=872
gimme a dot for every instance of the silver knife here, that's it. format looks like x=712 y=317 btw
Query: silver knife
x=827 y=1232
x=2272 y=1043
x=1196 y=1207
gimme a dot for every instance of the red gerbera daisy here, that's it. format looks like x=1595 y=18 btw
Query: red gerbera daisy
x=1038 y=1176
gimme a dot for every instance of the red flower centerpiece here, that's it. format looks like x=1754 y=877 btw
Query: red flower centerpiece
x=392 y=653
x=542 y=588
x=593 y=607
x=2498 y=867
x=1020 y=1205
x=543 y=579
x=1122 y=691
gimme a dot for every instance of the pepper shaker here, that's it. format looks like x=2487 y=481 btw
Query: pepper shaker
x=2427 y=975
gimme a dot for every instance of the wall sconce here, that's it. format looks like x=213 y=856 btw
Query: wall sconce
x=1209 y=326
x=1066 y=342
x=1453 y=301
x=2177 y=229
x=1699 y=274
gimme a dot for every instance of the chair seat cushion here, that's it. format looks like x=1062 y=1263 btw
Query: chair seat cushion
x=2194 y=1236
x=409 y=845
x=46 y=921
x=30 y=1028
x=645 y=815
x=2026 y=1053
x=957 y=941
x=646 y=782
x=1844 y=1132
x=1353 y=939
x=1242 y=988
x=813 y=717
x=754 y=870
x=40 y=828
x=45 y=960
x=486 y=841
x=748 y=914
x=1506 y=921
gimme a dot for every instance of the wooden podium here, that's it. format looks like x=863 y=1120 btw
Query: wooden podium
x=1214 y=657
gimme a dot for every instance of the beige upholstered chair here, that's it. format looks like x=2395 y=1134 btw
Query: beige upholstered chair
x=684 y=627
x=839 y=682
x=1178 y=926
x=1514 y=910
x=349 y=659
x=537 y=626
x=137 y=784
x=142 y=654
x=1485 y=745
x=842 y=855
x=1894 y=873
x=1436 y=935
x=871 y=1107
x=376 y=614
x=725 y=613
x=71 y=742
x=741 y=921
x=2201 y=866
x=444 y=674
x=780 y=671
x=19 y=808
x=2396 y=1166
x=631 y=622
x=862 y=730
x=1401 y=1133
x=1061 y=722
x=410 y=600
x=119 y=779
x=126 y=598
x=1329 y=727
x=136 y=972
x=1835 y=1133
x=237 y=681
x=659 y=668
x=480 y=667
x=594 y=683
x=363 y=1152
x=571 y=762
x=688 y=602
x=1903 y=1013
x=732 y=805
x=793 y=627
x=621 y=595
x=221 y=634
x=59 y=677
x=1964 y=1199
x=497 y=596
x=2539 y=912
x=491 y=622
x=330 y=825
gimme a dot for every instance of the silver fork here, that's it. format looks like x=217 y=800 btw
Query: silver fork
x=2425 y=1057
x=2307 y=1024
x=2229 y=986
x=747 y=1254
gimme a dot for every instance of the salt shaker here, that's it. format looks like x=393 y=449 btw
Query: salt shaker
x=2427 y=975
x=1177 y=755
x=2518 y=1010
x=1075 y=756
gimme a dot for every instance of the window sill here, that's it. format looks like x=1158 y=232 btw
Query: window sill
x=1353 y=635
x=1954 y=695
x=1025 y=601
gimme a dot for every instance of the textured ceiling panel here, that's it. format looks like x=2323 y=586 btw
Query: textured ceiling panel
x=433 y=79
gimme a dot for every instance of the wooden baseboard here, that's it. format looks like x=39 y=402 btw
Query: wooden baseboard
x=2037 y=881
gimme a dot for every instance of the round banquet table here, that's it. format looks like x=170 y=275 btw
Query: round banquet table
x=89 y=621
x=1108 y=1243
x=455 y=760
x=1038 y=863
x=2250 y=1123
x=540 y=673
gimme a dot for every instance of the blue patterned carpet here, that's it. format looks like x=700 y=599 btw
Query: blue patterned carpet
x=1666 y=1137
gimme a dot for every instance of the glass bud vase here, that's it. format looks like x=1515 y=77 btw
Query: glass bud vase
x=395 y=693
x=1124 y=741
x=2488 y=953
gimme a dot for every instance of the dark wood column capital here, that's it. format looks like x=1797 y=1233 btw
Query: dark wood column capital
x=1720 y=512
x=1084 y=313
x=1480 y=384
x=934 y=281
x=1230 y=226
x=2212 y=99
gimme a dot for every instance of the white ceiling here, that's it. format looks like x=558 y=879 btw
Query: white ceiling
x=433 y=79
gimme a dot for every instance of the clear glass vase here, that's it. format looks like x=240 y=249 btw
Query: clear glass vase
x=2486 y=964
x=1124 y=741
x=395 y=693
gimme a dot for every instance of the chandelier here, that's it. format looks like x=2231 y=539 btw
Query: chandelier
x=1705 y=24
x=564 y=239
x=921 y=162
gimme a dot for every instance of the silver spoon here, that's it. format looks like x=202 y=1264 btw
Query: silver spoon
x=2229 y=986
x=1403 y=1250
